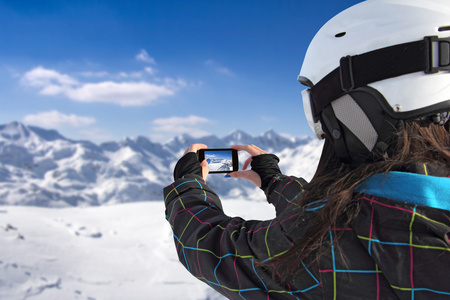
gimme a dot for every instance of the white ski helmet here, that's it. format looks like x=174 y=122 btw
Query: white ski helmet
x=371 y=67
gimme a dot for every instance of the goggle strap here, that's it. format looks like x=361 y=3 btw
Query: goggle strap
x=360 y=70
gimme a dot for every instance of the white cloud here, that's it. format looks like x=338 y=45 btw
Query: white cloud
x=94 y=74
x=143 y=56
x=191 y=125
x=56 y=119
x=175 y=83
x=129 y=93
x=123 y=93
x=120 y=75
x=131 y=74
x=218 y=68
x=150 y=70
x=41 y=77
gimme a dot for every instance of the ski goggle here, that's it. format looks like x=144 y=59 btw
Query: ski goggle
x=313 y=123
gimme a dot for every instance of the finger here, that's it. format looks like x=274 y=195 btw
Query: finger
x=195 y=147
x=246 y=163
x=237 y=174
x=249 y=175
x=205 y=169
x=251 y=149
x=256 y=150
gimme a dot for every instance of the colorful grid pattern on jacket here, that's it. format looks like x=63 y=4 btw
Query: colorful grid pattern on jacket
x=393 y=250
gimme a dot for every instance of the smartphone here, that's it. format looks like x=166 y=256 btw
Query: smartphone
x=223 y=160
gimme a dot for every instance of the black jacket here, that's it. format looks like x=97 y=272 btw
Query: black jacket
x=395 y=248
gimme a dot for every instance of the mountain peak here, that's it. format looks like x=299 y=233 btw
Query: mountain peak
x=238 y=137
x=17 y=132
x=270 y=133
x=14 y=131
x=47 y=134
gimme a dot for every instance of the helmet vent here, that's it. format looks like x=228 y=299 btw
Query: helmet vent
x=444 y=28
x=340 y=34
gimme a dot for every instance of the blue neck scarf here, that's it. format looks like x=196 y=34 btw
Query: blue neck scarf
x=409 y=187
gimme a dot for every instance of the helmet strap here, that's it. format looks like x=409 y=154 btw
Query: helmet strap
x=363 y=69
x=370 y=134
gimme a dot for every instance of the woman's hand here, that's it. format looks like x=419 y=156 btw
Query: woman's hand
x=248 y=174
x=194 y=148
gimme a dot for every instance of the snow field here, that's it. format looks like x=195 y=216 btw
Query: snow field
x=124 y=251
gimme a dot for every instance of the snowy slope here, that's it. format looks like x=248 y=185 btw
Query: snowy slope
x=42 y=168
x=117 y=252
x=88 y=249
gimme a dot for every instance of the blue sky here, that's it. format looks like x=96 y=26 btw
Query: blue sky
x=103 y=70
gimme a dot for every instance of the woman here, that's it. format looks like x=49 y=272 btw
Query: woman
x=374 y=222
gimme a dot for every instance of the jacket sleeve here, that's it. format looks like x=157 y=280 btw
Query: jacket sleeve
x=220 y=250
x=215 y=248
x=279 y=189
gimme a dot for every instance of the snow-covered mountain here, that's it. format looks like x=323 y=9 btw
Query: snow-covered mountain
x=40 y=167
x=110 y=252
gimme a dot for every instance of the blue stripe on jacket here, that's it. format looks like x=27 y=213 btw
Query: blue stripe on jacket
x=409 y=187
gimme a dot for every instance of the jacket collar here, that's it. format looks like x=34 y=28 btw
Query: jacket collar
x=412 y=188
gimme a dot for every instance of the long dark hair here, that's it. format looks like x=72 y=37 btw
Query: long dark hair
x=336 y=181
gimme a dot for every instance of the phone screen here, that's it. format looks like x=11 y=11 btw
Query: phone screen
x=220 y=160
